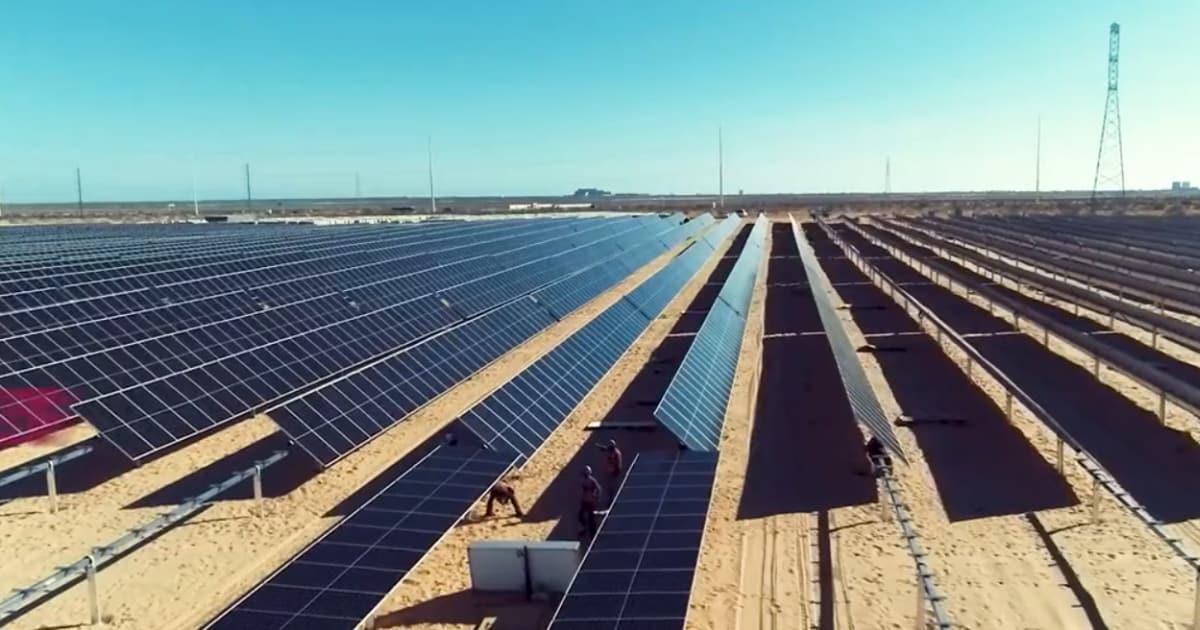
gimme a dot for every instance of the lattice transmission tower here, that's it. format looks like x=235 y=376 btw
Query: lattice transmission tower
x=1110 y=159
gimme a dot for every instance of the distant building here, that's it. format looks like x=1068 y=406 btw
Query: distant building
x=1182 y=187
x=591 y=192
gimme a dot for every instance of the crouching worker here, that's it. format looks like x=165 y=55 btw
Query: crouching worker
x=503 y=492
x=878 y=457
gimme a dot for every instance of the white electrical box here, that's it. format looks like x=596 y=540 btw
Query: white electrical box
x=506 y=566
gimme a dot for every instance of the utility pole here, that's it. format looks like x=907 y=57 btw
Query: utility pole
x=1110 y=169
x=720 y=168
x=249 y=199
x=1 y=202
x=887 y=175
x=195 y=197
x=79 y=191
x=429 y=156
x=1037 y=177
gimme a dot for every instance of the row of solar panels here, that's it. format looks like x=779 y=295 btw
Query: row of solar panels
x=160 y=412
x=1086 y=236
x=254 y=282
x=342 y=577
x=693 y=407
x=330 y=420
x=521 y=414
x=639 y=569
x=245 y=361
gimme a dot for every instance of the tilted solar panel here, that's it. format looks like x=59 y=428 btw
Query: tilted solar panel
x=522 y=413
x=339 y=579
x=639 y=570
x=693 y=407
x=863 y=401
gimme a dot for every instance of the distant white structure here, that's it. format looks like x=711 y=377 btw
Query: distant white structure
x=549 y=206
x=1182 y=187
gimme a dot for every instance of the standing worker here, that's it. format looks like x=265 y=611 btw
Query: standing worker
x=503 y=492
x=589 y=502
x=616 y=463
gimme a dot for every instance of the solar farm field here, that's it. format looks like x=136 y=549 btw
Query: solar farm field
x=297 y=426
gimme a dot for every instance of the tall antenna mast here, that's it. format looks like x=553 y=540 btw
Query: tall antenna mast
x=429 y=155
x=887 y=175
x=720 y=168
x=1037 y=177
x=1 y=201
x=249 y=199
x=1110 y=169
x=79 y=191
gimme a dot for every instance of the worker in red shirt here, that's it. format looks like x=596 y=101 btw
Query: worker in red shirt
x=589 y=503
x=614 y=459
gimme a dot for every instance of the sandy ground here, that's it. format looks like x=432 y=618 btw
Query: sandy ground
x=56 y=441
x=437 y=594
x=1178 y=418
x=233 y=544
x=1131 y=578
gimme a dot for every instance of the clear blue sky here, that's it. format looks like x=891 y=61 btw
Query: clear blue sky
x=543 y=97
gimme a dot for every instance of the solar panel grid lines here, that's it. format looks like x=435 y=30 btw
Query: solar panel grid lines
x=694 y=404
x=639 y=570
x=727 y=226
x=278 y=283
x=863 y=401
x=408 y=379
x=343 y=576
x=332 y=420
x=693 y=407
x=213 y=382
x=525 y=411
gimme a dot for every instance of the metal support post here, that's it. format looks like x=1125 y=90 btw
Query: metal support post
x=1060 y=456
x=51 y=486
x=1008 y=400
x=1096 y=365
x=1154 y=337
x=1046 y=337
x=258 y=493
x=970 y=366
x=920 y=606
x=1095 y=500
x=1162 y=407
x=93 y=598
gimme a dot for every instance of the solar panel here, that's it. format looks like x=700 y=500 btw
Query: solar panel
x=863 y=402
x=639 y=570
x=331 y=420
x=693 y=407
x=522 y=414
x=162 y=409
x=339 y=579
x=717 y=235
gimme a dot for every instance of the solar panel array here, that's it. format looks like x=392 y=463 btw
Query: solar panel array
x=162 y=410
x=693 y=407
x=724 y=229
x=639 y=570
x=340 y=578
x=188 y=332
x=332 y=420
x=523 y=413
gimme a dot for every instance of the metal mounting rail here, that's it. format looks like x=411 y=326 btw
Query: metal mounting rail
x=49 y=465
x=1047 y=280
x=865 y=401
x=14 y=475
x=1167 y=387
x=62 y=577
x=1101 y=478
